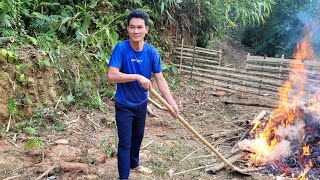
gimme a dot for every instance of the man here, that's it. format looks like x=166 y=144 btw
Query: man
x=131 y=65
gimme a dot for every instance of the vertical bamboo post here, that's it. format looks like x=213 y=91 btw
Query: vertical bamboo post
x=248 y=55
x=220 y=56
x=181 y=56
x=192 y=65
x=281 y=64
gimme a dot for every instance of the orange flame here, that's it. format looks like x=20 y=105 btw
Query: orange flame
x=290 y=96
x=306 y=150
x=302 y=176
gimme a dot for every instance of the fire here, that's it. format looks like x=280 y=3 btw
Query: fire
x=271 y=140
x=302 y=176
x=306 y=150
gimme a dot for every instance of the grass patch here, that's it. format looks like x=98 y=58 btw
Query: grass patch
x=166 y=157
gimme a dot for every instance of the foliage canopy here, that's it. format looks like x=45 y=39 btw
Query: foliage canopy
x=79 y=36
x=283 y=29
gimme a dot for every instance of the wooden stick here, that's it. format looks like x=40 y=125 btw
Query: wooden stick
x=250 y=104
x=7 y=39
x=13 y=143
x=150 y=111
x=56 y=164
x=217 y=167
x=148 y=144
x=254 y=123
x=194 y=132
x=93 y=122
x=97 y=125
x=193 y=169
x=73 y=121
x=191 y=154
x=9 y=122
x=224 y=133
x=47 y=171
x=56 y=106
x=259 y=117
x=13 y=84
x=156 y=104
x=13 y=177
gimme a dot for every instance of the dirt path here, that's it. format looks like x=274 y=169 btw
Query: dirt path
x=86 y=148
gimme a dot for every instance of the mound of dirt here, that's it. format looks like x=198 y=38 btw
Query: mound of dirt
x=7 y=93
x=232 y=56
x=35 y=90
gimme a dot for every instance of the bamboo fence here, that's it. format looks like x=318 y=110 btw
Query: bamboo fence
x=263 y=76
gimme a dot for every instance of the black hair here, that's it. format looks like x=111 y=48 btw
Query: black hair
x=138 y=14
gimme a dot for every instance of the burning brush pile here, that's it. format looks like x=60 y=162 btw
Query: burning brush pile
x=288 y=143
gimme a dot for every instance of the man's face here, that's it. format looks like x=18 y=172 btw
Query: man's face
x=137 y=29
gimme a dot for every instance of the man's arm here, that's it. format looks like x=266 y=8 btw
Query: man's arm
x=164 y=89
x=114 y=75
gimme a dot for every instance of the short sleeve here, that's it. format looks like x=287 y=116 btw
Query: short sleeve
x=116 y=60
x=156 y=65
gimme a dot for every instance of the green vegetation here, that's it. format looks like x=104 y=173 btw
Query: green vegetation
x=281 y=31
x=207 y=19
x=76 y=38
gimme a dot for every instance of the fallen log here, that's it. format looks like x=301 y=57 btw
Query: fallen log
x=219 y=166
x=250 y=104
x=7 y=39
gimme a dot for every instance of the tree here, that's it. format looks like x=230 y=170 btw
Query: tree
x=214 y=18
x=281 y=31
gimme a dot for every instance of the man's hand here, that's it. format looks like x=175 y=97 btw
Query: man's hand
x=145 y=83
x=174 y=113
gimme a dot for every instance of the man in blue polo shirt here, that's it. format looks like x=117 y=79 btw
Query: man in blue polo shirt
x=131 y=65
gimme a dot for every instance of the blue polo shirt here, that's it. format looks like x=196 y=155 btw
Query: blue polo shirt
x=129 y=61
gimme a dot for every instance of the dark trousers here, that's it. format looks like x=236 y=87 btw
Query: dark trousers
x=130 y=124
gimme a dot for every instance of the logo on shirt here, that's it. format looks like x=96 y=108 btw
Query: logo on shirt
x=136 y=60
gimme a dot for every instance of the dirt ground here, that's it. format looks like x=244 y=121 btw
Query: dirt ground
x=86 y=148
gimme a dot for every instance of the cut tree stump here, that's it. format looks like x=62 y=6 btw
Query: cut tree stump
x=7 y=39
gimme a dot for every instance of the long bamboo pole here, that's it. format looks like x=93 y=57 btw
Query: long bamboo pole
x=194 y=132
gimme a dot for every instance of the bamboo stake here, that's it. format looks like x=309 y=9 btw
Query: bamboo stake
x=181 y=56
x=9 y=122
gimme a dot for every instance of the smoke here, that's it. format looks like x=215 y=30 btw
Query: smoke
x=281 y=150
x=291 y=132
x=309 y=18
x=287 y=135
